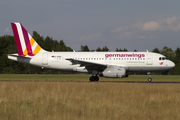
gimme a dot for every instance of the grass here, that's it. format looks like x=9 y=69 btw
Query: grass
x=85 y=77
x=88 y=100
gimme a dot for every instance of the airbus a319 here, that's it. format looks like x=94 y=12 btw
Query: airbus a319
x=106 y=64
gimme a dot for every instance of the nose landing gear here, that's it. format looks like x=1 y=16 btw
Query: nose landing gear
x=149 y=77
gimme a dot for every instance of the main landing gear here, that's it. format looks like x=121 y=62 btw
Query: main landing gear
x=149 y=77
x=94 y=78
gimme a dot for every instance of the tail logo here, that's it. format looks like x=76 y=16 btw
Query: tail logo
x=25 y=44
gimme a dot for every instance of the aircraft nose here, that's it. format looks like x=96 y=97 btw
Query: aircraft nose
x=172 y=64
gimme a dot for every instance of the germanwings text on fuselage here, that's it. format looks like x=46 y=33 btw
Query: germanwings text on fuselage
x=125 y=55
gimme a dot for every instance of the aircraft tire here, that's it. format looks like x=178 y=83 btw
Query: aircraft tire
x=91 y=78
x=149 y=79
x=94 y=78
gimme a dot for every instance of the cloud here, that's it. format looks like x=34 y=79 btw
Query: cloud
x=90 y=37
x=152 y=25
x=142 y=30
x=171 y=20
x=119 y=29
x=7 y=30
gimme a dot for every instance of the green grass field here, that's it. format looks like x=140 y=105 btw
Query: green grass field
x=71 y=100
x=85 y=77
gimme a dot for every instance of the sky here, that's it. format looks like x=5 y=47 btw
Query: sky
x=131 y=24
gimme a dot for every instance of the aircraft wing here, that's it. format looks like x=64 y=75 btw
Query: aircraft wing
x=89 y=65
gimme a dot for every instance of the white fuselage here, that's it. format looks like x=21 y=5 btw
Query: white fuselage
x=131 y=61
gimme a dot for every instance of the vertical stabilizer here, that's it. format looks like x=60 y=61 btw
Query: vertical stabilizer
x=25 y=44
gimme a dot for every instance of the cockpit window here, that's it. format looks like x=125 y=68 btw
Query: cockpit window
x=163 y=58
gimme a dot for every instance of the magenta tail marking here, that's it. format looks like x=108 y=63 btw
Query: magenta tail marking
x=17 y=40
x=27 y=41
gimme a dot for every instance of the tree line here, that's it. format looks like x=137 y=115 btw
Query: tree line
x=7 y=46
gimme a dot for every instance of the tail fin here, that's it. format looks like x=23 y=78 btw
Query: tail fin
x=25 y=44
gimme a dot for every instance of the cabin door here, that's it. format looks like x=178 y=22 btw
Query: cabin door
x=149 y=59
x=45 y=59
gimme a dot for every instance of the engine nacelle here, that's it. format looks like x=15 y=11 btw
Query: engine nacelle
x=81 y=69
x=115 y=72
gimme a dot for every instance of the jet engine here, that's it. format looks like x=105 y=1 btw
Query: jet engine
x=114 y=72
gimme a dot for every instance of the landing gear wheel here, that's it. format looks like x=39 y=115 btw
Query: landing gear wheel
x=91 y=78
x=149 y=79
x=94 y=78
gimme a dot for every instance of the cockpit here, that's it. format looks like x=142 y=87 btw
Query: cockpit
x=163 y=58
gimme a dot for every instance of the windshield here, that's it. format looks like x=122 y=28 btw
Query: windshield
x=163 y=58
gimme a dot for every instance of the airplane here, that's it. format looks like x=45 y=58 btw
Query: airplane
x=105 y=64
